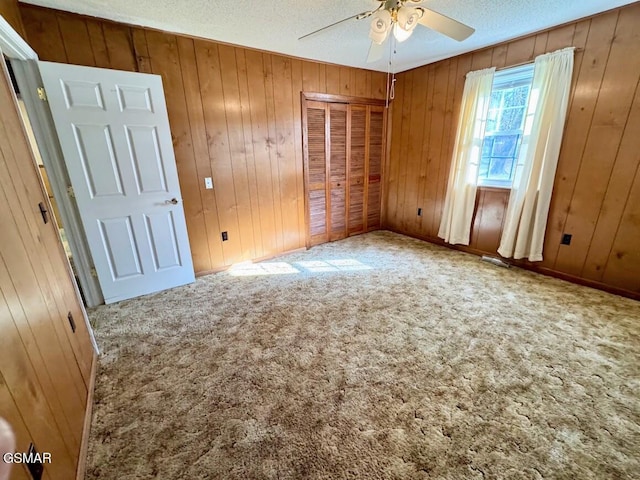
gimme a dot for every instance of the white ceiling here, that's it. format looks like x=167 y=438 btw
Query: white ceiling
x=276 y=25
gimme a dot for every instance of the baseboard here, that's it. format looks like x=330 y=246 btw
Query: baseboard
x=259 y=259
x=531 y=267
x=86 y=429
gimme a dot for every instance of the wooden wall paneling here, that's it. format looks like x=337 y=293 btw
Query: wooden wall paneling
x=252 y=179
x=489 y=223
x=164 y=60
x=560 y=37
x=579 y=116
x=436 y=135
x=286 y=155
x=209 y=71
x=297 y=88
x=391 y=191
x=410 y=220
x=269 y=87
x=75 y=38
x=25 y=192
x=332 y=75
x=20 y=272
x=541 y=44
x=362 y=83
x=140 y=50
x=38 y=351
x=43 y=34
x=612 y=216
x=12 y=415
x=205 y=227
x=520 y=51
x=481 y=59
x=119 y=44
x=378 y=85
x=499 y=55
x=426 y=79
x=345 y=81
x=448 y=138
x=322 y=78
x=262 y=151
x=11 y=13
x=235 y=135
x=616 y=196
x=609 y=119
x=98 y=43
x=337 y=171
x=310 y=77
x=21 y=382
x=623 y=264
x=404 y=149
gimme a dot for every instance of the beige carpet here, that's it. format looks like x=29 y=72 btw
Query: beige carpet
x=383 y=357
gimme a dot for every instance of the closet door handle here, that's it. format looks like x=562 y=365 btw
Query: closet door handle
x=44 y=212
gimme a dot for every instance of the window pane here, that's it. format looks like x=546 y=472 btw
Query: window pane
x=511 y=119
x=504 y=145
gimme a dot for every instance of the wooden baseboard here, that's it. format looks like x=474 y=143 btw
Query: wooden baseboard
x=88 y=415
x=259 y=259
x=531 y=267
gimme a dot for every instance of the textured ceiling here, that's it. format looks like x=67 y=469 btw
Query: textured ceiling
x=275 y=26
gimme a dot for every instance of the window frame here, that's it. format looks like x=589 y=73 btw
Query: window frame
x=508 y=78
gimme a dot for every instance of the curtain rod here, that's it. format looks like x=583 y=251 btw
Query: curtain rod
x=576 y=50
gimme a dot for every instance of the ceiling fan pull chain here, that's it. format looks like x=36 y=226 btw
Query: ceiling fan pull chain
x=392 y=92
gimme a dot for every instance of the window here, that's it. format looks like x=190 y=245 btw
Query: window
x=505 y=124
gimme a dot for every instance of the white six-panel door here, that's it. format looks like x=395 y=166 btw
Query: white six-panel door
x=114 y=133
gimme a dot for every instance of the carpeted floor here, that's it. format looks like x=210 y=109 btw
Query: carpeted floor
x=382 y=357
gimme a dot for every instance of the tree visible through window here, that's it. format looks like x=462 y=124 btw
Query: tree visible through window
x=504 y=127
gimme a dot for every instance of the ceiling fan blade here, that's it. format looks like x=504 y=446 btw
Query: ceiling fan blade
x=357 y=16
x=376 y=51
x=445 y=25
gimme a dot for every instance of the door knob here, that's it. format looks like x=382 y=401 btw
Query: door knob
x=173 y=201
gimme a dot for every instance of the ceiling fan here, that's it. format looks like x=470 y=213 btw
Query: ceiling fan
x=401 y=17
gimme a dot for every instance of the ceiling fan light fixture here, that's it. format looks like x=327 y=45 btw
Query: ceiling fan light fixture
x=400 y=33
x=408 y=17
x=380 y=26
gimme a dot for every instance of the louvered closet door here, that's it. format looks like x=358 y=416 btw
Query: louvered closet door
x=374 y=167
x=343 y=166
x=338 y=170
x=316 y=171
x=358 y=153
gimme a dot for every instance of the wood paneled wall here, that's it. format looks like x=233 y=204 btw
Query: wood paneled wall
x=11 y=13
x=235 y=116
x=596 y=195
x=46 y=368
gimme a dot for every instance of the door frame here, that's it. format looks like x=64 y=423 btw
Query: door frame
x=24 y=63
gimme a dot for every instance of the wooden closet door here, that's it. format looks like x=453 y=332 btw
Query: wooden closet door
x=316 y=165
x=374 y=167
x=338 y=170
x=358 y=153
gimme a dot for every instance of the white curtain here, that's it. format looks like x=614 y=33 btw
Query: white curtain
x=526 y=217
x=455 y=225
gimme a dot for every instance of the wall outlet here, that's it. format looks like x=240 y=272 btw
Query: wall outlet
x=225 y=236
x=419 y=212
x=566 y=239
x=208 y=183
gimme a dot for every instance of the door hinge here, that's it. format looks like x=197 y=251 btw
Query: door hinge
x=94 y=272
x=70 y=191
x=42 y=93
